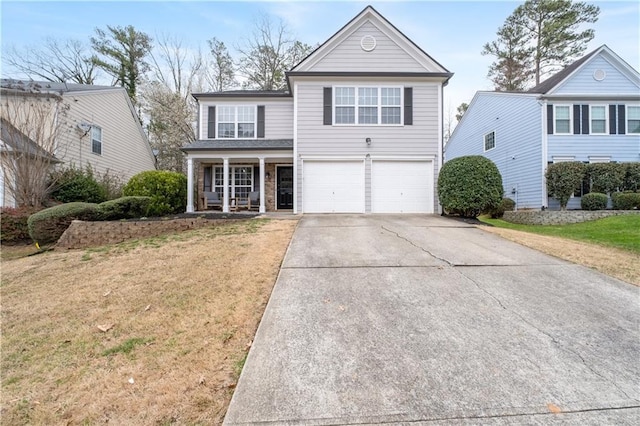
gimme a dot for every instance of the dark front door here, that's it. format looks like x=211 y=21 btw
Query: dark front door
x=285 y=187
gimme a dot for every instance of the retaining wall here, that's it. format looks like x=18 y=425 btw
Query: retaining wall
x=552 y=217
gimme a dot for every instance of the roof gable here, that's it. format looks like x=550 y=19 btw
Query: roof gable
x=348 y=49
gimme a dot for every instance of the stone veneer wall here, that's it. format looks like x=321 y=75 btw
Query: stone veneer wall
x=82 y=234
x=549 y=217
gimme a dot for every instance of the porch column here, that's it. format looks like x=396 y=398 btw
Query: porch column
x=262 y=194
x=189 y=185
x=225 y=185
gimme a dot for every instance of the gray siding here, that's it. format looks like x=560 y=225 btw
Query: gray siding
x=420 y=139
x=614 y=83
x=387 y=55
x=278 y=115
x=516 y=119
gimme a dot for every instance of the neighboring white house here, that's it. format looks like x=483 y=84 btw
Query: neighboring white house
x=358 y=131
x=588 y=112
x=99 y=127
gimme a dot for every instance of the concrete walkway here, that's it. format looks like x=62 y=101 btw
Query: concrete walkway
x=424 y=320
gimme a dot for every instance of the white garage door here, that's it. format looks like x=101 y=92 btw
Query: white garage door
x=333 y=187
x=402 y=186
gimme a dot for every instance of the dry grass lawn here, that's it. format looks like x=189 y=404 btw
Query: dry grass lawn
x=622 y=264
x=180 y=313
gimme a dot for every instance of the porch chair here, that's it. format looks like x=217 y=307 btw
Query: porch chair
x=254 y=200
x=211 y=199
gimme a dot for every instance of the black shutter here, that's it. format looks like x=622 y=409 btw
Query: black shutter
x=408 y=106
x=585 y=119
x=613 y=120
x=550 y=119
x=576 y=119
x=327 y=106
x=211 y=123
x=621 y=120
x=260 y=132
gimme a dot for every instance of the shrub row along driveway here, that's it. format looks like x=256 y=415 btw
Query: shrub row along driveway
x=388 y=319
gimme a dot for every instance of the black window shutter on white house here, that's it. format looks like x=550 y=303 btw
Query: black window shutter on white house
x=408 y=105
x=621 y=120
x=550 y=119
x=327 y=106
x=260 y=131
x=585 y=119
x=576 y=119
x=211 y=123
x=613 y=120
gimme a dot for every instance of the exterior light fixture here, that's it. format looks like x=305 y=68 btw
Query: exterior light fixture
x=368 y=141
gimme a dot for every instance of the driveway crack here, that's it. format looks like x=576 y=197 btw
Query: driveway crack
x=416 y=245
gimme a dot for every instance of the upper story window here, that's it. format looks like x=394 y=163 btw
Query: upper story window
x=96 y=140
x=489 y=141
x=236 y=122
x=633 y=119
x=598 y=119
x=562 y=122
x=368 y=105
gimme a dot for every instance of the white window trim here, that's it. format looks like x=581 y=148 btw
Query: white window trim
x=626 y=119
x=555 y=118
x=606 y=119
x=235 y=122
x=232 y=183
x=484 y=141
x=101 y=139
x=356 y=105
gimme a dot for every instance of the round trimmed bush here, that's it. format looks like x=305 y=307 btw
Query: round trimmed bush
x=563 y=179
x=594 y=201
x=168 y=191
x=130 y=207
x=625 y=200
x=632 y=177
x=46 y=226
x=506 y=205
x=469 y=186
x=77 y=185
x=606 y=177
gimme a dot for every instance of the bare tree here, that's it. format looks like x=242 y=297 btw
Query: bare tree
x=54 y=60
x=33 y=123
x=221 y=71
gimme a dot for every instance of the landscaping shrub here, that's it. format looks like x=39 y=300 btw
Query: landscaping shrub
x=72 y=185
x=606 y=177
x=47 y=225
x=469 y=186
x=563 y=179
x=632 y=177
x=506 y=205
x=594 y=201
x=13 y=224
x=168 y=190
x=625 y=200
x=124 y=208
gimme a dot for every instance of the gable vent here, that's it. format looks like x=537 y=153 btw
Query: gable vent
x=368 y=43
x=599 y=75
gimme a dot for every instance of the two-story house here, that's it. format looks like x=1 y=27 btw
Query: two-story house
x=587 y=112
x=358 y=131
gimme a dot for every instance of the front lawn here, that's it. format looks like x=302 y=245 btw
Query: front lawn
x=616 y=231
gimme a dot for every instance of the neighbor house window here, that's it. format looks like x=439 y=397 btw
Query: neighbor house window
x=598 y=119
x=236 y=122
x=367 y=105
x=633 y=119
x=562 y=119
x=96 y=140
x=489 y=141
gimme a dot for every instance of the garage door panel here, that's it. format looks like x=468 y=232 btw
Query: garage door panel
x=402 y=186
x=333 y=187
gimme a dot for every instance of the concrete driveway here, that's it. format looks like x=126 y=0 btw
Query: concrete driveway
x=421 y=319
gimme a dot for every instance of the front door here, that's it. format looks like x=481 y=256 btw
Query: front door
x=284 y=189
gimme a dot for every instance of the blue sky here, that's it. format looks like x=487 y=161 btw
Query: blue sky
x=452 y=32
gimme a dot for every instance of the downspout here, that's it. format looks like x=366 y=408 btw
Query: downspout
x=545 y=151
x=295 y=147
x=441 y=144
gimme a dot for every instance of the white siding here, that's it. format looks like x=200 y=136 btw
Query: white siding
x=614 y=83
x=516 y=121
x=387 y=56
x=278 y=120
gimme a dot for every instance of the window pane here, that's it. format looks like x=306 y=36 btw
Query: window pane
x=390 y=96
x=245 y=130
x=96 y=147
x=598 y=113
x=633 y=112
x=562 y=113
x=634 y=126
x=562 y=126
x=598 y=126
x=96 y=133
x=390 y=115
x=246 y=114
x=489 y=141
x=368 y=96
x=345 y=96
x=226 y=113
x=345 y=115
x=368 y=115
x=226 y=130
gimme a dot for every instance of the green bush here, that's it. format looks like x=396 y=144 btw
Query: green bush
x=594 y=201
x=469 y=186
x=606 y=177
x=124 y=208
x=72 y=185
x=625 y=200
x=13 y=224
x=168 y=190
x=506 y=205
x=47 y=225
x=632 y=177
x=563 y=179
